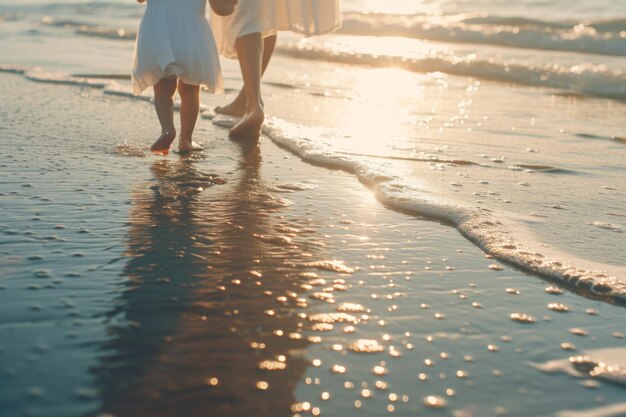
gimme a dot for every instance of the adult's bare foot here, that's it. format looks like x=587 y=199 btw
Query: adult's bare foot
x=186 y=146
x=163 y=143
x=249 y=127
x=236 y=108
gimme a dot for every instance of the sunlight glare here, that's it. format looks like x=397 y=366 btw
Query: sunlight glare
x=400 y=7
x=378 y=115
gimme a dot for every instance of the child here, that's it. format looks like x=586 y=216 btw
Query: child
x=175 y=50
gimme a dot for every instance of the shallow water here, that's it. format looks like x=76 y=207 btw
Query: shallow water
x=136 y=285
x=120 y=266
x=480 y=117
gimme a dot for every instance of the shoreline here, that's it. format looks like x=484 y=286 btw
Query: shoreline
x=588 y=278
x=190 y=278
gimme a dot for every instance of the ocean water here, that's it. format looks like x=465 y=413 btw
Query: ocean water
x=506 y=121
x=526 y=102
x=246 y=282
x=502 y=120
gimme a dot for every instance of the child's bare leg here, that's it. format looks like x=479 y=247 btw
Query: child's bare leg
x=237 y=107
x=189 y=108
x=250 y=52
x=164 y=105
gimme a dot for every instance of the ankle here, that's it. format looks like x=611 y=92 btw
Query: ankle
x=254 y=107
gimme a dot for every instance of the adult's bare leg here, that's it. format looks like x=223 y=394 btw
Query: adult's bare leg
x=250 y=53
x=237 y=107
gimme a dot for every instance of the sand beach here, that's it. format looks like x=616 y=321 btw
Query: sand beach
x=416 y=233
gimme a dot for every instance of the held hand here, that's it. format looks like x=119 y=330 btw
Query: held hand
x=223 y=7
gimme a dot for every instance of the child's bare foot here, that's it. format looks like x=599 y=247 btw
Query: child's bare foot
x=186 y=146
x=249 y=127
x=162 y=144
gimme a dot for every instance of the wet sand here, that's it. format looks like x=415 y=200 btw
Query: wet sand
x=237 y=281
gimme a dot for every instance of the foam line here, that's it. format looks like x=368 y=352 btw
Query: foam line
x=585 y=78
x=482 y=227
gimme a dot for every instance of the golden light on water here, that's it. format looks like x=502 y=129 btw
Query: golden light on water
x=378 y=114
x=377 y=46
x=398 y=6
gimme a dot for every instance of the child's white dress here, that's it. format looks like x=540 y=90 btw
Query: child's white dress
x=308 y=17
x=175 y=40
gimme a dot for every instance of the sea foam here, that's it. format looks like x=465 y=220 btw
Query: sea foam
x=584 y=78
x=493 y=235
x=604 y=37
x=607 y=37
x=597 y=37
x=482 y=227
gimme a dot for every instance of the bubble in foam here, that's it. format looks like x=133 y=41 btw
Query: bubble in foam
x=350 y=308
x=323 y=296
x=554 y=290
x=296 y=186
x=322 y=327
x=558 y=307
x=271 y=365
x=578 y=331
x=366 y=346
x=522 y=318
x=381 y=385
x=394 y=352
x=380 y=370
x=333 y=265
x=609 y=226
x=333 y=318
x=434 y=401
x=338 y=369
x=461 y=374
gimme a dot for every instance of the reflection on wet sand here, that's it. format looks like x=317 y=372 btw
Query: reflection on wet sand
x=210 y=293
